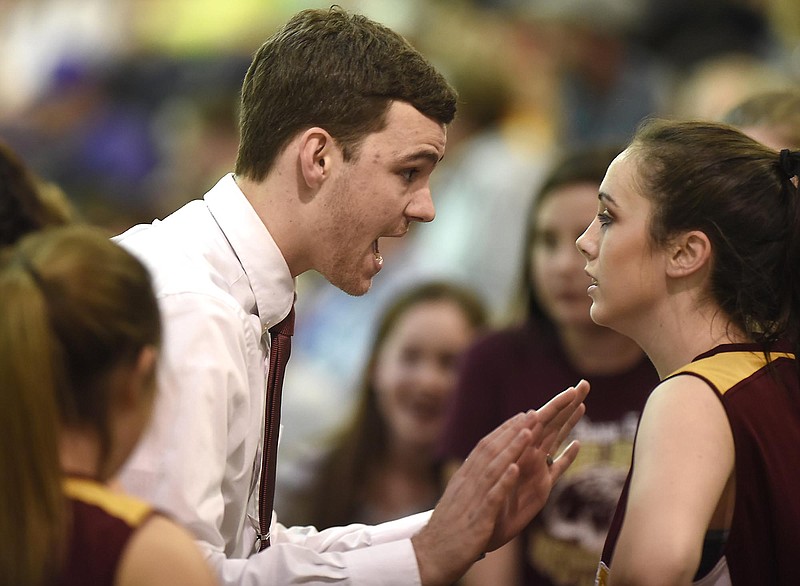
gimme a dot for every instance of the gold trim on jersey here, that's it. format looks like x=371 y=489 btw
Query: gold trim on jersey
x=601 y=578
x=130 y=509
x=727 y=369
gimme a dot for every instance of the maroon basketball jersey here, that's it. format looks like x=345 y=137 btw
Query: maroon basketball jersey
x=762 y=403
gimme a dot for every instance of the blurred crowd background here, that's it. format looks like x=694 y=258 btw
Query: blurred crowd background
x=130 y=106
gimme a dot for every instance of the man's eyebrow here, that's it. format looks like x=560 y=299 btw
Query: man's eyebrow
x=426 y=155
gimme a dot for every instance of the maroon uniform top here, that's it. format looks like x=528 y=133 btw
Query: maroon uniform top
x=763 y=408
x=518 y=369
x=101 y=522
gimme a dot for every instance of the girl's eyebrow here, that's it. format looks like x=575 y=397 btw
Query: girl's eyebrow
x=605 y=197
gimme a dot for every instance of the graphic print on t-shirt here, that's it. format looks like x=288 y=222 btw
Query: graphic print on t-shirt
x=566 y=542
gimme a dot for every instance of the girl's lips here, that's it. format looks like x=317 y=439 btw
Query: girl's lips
x=426 y=410
x=572 y=294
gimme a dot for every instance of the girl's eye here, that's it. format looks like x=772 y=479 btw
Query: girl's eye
x=544 y=241
x=410 y=356
x=604 y=218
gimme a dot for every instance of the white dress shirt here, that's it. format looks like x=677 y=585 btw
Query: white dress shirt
x=221 y=283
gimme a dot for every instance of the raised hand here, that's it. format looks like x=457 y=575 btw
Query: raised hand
x=503 y=483
x=541 y=465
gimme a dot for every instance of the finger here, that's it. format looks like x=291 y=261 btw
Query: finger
x=482 y=493
x=582 y=389
x=511 y=452
x=533 y=451
x=560 y=410
x=504 y=433
x=566 y=429
x=499 y=494
x=554 y=410
x=509 y=427
x=578 y=394
x=500 y=448
x=551 y=410
x=564 y=460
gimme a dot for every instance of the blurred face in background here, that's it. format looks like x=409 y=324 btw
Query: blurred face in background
x=559 y=280
x=415 y=372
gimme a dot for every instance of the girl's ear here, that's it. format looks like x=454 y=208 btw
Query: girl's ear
x=316 y=148
x=141 y=380
x=689 y=253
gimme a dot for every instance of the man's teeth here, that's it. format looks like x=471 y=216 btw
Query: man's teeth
x=377 y=253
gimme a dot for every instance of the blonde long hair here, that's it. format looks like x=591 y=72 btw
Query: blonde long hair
x=75 y=305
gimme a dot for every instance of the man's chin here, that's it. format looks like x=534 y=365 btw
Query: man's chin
x=360 y=291
x=356 y=288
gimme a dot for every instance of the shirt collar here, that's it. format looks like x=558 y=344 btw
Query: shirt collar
x=261 y=259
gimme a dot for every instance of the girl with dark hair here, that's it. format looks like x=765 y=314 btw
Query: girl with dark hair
x=26 y=202
x=555 y=345
x=694 y=255
x=79 y=334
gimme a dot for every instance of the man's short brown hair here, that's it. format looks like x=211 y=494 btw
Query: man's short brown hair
x=335 y=70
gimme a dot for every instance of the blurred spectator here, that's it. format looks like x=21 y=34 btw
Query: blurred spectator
x=126 y=141
x=772 y=118
x=27 y=203
x=687 y=32
x=88 y=140
x=714 y=86
x=384 y=465
x=36 y=37
x=608 y=80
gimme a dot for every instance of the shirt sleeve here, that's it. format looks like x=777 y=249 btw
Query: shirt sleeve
x=353 y=555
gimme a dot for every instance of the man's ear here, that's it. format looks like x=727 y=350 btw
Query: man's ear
x=688 y=253
x=316 y=149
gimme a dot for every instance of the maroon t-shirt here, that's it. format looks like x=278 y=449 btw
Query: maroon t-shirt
x=518 y=369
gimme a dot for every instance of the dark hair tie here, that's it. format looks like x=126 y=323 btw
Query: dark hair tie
x=788 y=163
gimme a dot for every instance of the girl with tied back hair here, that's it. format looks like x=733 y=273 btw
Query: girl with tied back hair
x=79 y=336
x=694 y=254
x=555 y=345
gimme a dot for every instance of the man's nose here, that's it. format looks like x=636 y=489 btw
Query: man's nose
x=421 y=208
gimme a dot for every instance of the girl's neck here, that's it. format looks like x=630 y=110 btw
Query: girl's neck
x=676 y=342
x=79 y=453
x=596 y=350
x=412 y=459
x=404 y=482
